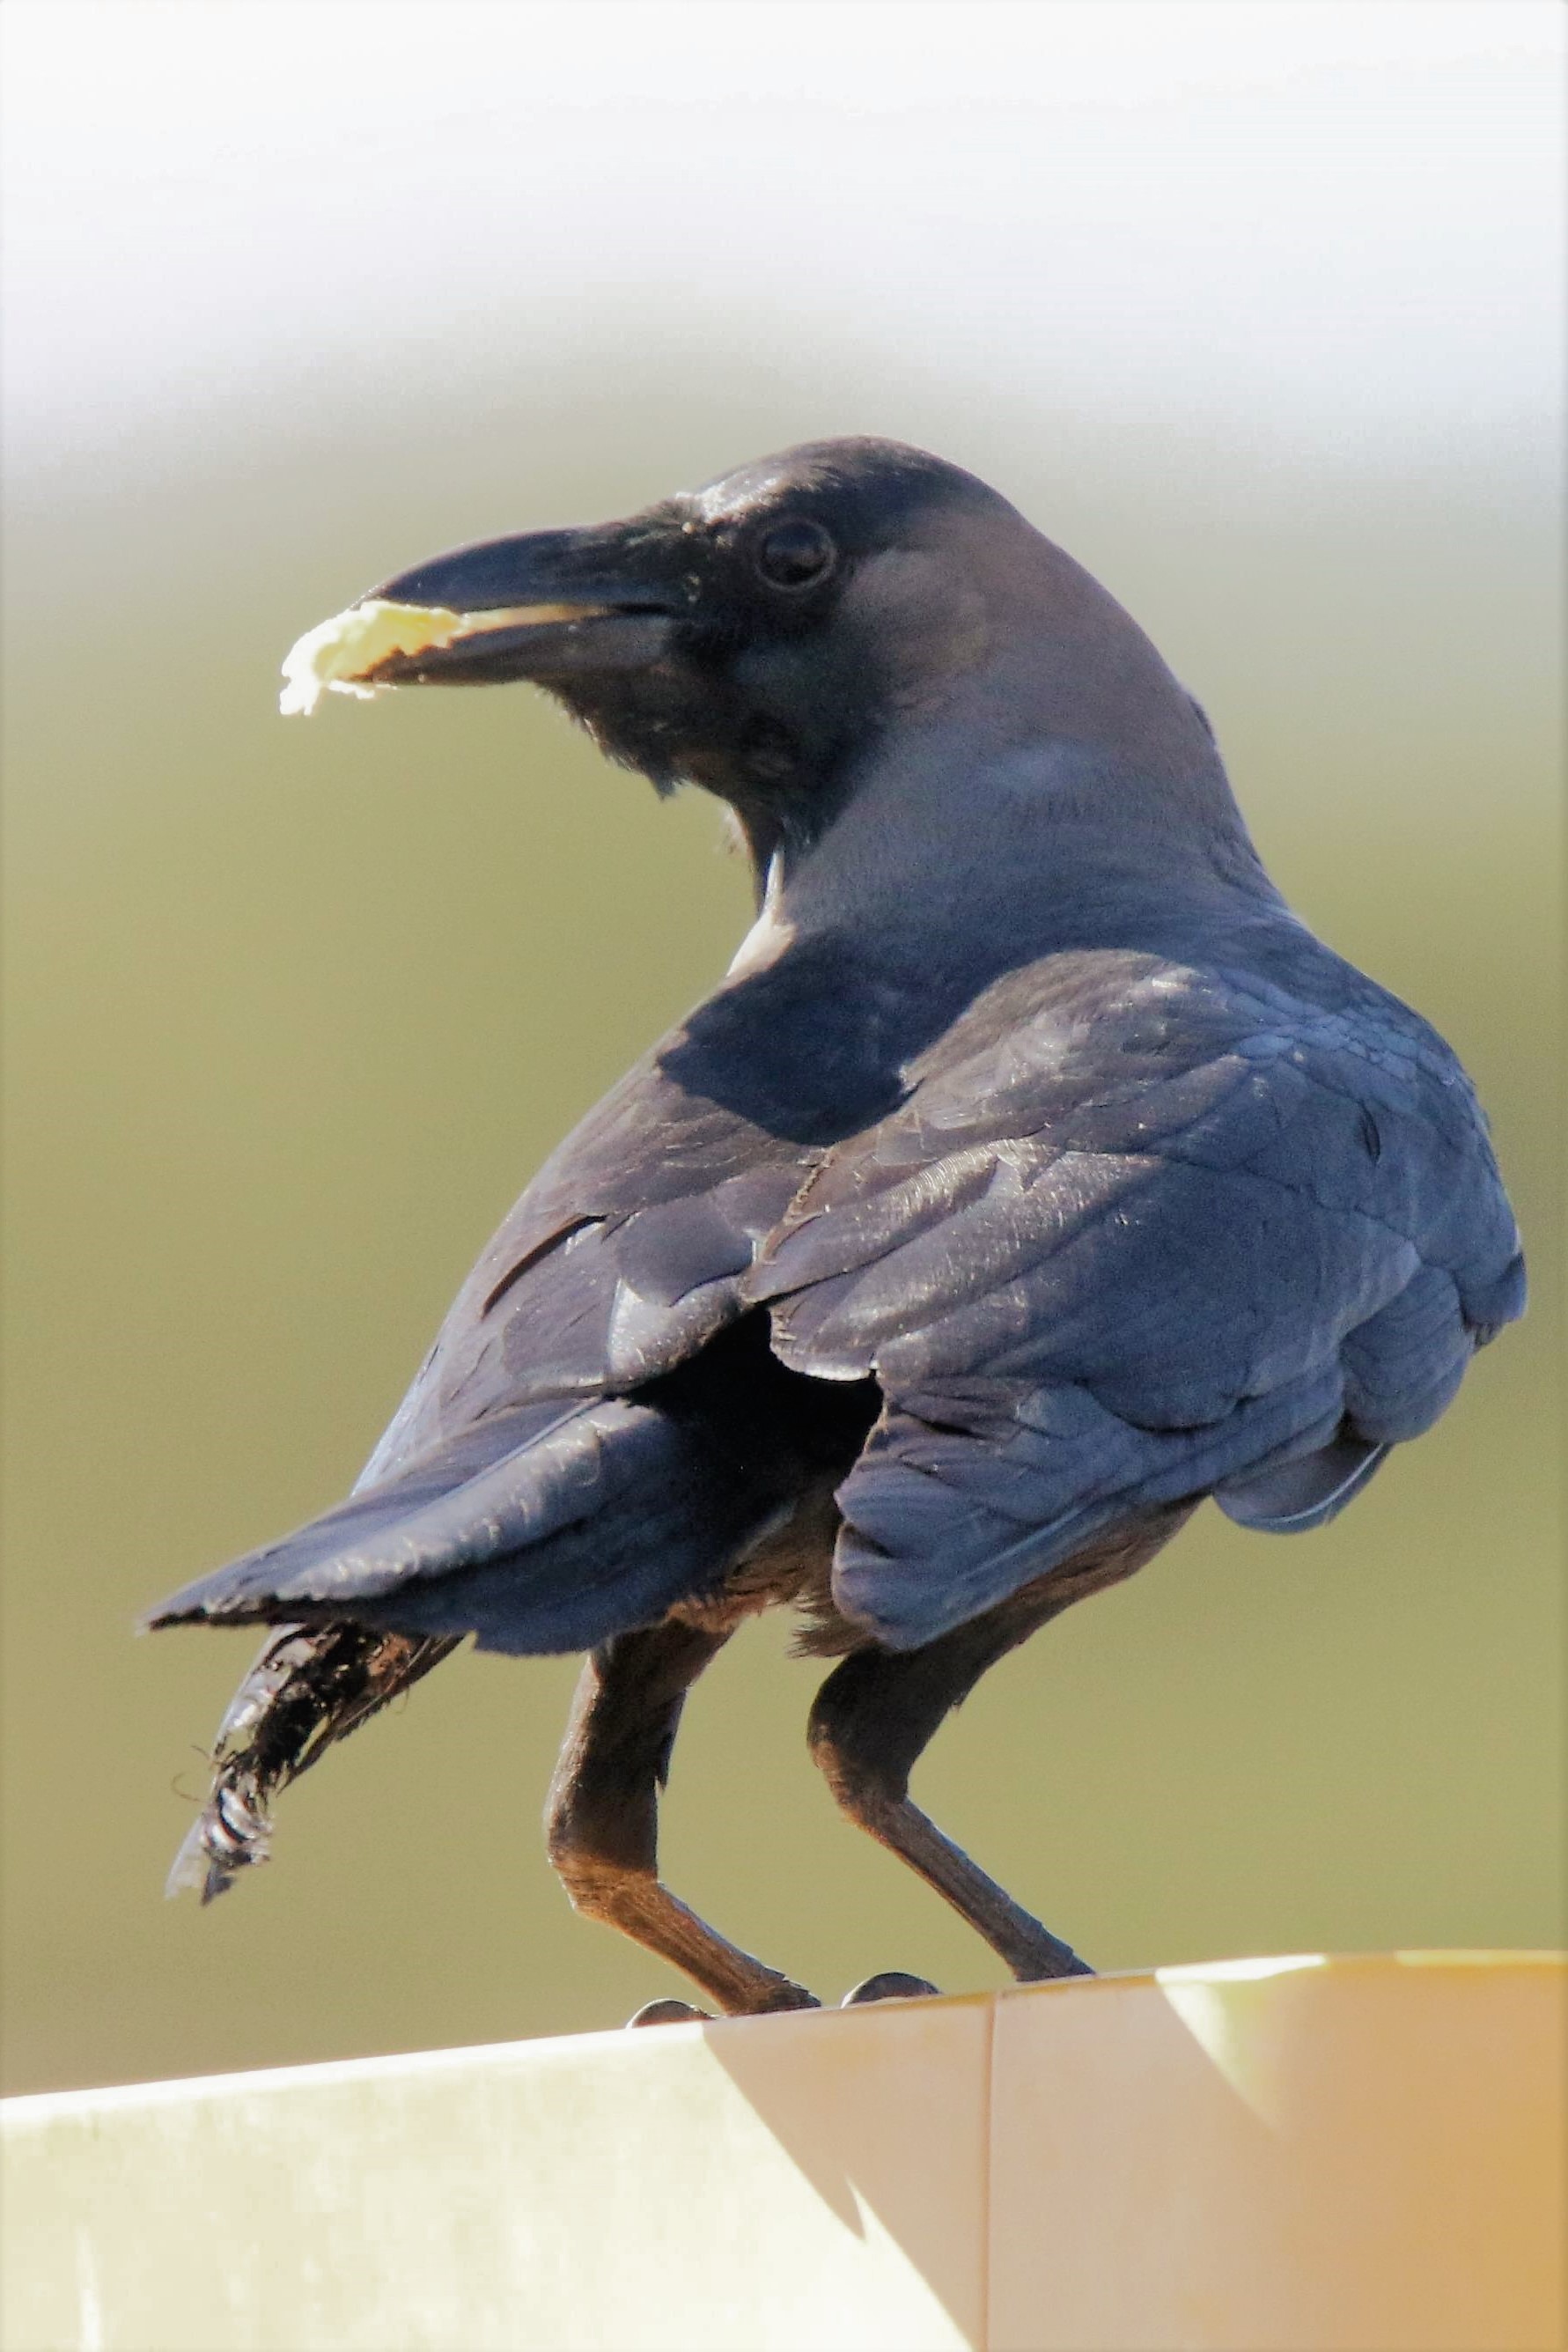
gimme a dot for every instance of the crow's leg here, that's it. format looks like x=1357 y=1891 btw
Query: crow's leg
x=872 y=1718
x=876 y=1713
x=602 y=1820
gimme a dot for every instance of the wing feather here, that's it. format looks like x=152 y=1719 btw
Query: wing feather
x=1176 y=1233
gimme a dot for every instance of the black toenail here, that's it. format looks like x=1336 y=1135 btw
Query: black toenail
x=888 y=1984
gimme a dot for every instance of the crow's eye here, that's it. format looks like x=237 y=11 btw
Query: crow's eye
x=795 y=554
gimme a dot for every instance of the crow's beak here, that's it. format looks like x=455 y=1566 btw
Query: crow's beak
x=547 y=606
x=560 y=601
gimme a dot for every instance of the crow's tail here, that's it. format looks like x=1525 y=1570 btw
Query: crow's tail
x=552 y=1526
x=311 y=1685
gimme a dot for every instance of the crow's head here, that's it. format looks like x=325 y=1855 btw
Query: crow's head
x=760 y=636
x=754 y=636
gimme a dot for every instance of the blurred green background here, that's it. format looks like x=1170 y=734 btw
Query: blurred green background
x=1253 y=310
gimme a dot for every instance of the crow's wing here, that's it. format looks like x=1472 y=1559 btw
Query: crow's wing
x=626 y=1253
x=1138 y=1233
x=522 y=1434
x=622 y=1259
x=524 y=1492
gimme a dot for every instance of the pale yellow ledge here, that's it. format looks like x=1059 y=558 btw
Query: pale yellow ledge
x=1265 y=2156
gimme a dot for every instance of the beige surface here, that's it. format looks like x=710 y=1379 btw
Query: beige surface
x=752 y=2185
x=1302 y=2154
x=1364 y=2156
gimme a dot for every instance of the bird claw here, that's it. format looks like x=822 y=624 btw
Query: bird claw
x=888 y=1984
x=669 y=2012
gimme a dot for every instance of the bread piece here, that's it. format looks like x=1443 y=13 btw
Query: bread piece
x=340 y=655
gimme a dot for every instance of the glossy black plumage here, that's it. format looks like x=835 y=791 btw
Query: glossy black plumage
x=1034 y=1174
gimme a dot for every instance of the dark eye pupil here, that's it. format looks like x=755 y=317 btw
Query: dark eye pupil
x=794 y=553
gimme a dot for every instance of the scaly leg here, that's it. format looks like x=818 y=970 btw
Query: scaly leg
x=602 y=1820
x=876 y=1713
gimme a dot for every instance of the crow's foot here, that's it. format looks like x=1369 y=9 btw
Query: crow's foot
x=669 y=2012
x=888 y=1984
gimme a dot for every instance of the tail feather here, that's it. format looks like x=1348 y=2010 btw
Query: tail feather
x=308 y=1688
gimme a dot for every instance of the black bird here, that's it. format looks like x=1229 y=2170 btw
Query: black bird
x=1033 y=1174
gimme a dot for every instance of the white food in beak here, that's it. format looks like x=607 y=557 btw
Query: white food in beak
x=337 y=653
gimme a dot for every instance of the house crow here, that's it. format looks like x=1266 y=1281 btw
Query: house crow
x=1033 y=1174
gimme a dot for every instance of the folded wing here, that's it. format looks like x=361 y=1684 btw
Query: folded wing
x=597 y=1431
x=1162 y=1234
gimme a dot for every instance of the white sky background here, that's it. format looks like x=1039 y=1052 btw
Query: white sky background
x=1343 y=220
